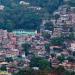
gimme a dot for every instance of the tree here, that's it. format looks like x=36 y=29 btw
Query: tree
x=49 y=26
x=57 y=41
x=67 y=72
x=60 y=70
x=43 y=64
x=74 y=53
x=46 y=35
x=71 y=59
x=57 y=16
x=73 y=73
x=9 y=59
x=71 y=36
x=3 y=68
x=26 y=48
x=47 y=48
x=61 y=58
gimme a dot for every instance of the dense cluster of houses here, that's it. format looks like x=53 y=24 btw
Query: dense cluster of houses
x=63 y=27
x=13 y=57
x=66 y=22
x=11 y=50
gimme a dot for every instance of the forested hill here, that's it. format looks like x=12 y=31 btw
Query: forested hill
x=26 y=14
x=49 y=5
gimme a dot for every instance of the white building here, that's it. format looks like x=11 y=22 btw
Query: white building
x=72 y=46
x=24 y=3
x=1 y=7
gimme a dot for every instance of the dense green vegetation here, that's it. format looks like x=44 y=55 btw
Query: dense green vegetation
x=49 y=5
x=57 y=41
x=41 y=63
x=19 y=18
x=16 y=16
x=26 y=48
x=49 y=26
